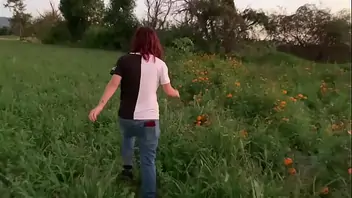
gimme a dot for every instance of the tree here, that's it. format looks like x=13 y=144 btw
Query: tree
x=217 y=22
x=230 y=20
x=121 y=21
x=43 y=24
x=255 y=22
x=79 y=14
x=157 y=12
x=120 y=12
x=310 y=25
x=337 y=30
x=20 y=20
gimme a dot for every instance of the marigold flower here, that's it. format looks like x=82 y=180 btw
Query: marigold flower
x=288 y=161
x=292 y=171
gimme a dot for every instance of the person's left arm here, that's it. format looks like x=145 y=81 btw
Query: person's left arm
x=110 y=89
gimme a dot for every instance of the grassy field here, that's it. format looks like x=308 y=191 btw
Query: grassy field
x=10 y=37
x=272 y=126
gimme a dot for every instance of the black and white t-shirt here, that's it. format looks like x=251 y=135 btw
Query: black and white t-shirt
x=139 y=83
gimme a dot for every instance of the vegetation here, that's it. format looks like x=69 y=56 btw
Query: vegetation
x=213 y=26
x=239 y=130
x=251 y=122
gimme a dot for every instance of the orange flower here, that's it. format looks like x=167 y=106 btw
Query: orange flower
x=292 y=171
x=350 y=171
x=237 y=84
x=300 y=96
x=243 y=133
x=293 y=99
x=229 y=95
x=199 y=118
x=325 y=190
x=288 y=161
x=284 y=92
x=283 y=103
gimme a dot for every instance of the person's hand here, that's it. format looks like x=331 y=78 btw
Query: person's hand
x=93 y=115
x=177 y=94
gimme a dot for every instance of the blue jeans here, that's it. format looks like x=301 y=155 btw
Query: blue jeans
x=147 y=133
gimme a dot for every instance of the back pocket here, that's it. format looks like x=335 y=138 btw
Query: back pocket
x=150 y=123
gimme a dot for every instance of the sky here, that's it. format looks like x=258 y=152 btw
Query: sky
x=35 y=6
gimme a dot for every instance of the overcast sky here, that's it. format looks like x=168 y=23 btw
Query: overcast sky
x=33 y=6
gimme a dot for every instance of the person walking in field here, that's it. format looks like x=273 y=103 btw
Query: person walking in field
x=140 y=73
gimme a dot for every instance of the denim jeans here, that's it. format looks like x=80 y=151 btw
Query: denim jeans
x=147 y=133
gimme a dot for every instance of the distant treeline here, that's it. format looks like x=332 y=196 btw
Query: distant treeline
x=213 y=26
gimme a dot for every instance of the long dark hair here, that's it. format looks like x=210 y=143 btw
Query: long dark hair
x=146 y=42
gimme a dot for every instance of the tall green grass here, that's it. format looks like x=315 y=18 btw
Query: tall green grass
x=48 y=148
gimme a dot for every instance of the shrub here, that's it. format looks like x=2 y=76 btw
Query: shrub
x=58 y=34
x=184 y=45
x=97 y=37
x=4 y=31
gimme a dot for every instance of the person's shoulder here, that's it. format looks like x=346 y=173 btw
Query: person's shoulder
x=126 y=59
x=160 y=62
x=123 y=56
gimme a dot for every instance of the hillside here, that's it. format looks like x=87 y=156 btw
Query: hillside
x=4 y=22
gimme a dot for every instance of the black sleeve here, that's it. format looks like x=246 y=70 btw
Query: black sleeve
x=117 y=69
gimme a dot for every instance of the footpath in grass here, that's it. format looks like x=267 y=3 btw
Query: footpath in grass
x=273 y=126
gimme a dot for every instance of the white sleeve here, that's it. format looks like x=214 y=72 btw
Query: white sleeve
x=164 y=75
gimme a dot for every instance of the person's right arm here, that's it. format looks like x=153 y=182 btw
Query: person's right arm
x=166 y=84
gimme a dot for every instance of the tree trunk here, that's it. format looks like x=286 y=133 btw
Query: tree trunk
x=228 y=26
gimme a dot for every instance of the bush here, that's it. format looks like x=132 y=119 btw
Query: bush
x=97 y=37
x=4 y=31
x=58 y=34
x=184 y=45
x=107 y=38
